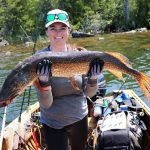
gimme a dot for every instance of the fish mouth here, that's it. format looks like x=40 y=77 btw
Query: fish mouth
x=6 y=102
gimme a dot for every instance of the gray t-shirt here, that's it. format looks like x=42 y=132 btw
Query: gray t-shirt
x=69 y=104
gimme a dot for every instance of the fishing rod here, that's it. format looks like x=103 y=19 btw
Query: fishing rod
x=117 y=93
x=21 y=109
x=3 y=126
x=118 y=90
x=122 y=84
x=112 y=99
x=26 y=33
x=33 y=52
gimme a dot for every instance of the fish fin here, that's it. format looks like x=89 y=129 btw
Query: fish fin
x=121 y=57
x=74 y=83
x=144 y=83
x=117 y=74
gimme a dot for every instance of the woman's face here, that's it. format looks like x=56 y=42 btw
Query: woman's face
x=58 y=33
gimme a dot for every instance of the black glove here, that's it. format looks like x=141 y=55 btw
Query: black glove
x=95 y=69
x=44 y=72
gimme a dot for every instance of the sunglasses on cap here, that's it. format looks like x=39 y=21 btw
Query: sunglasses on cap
x=60 y=16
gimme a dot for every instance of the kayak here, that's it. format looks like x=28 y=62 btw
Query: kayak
x=26 y=132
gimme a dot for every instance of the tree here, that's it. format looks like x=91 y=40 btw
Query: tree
x=143 y=13
x=126 y=11
x=85 y=15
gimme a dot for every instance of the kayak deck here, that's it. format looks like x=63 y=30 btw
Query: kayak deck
x=29 y=141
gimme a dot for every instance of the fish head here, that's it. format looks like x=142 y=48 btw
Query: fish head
x=14 y=85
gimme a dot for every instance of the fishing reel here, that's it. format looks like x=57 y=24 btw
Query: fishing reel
x=36 y=116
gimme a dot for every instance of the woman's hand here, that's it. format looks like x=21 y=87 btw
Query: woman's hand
x=44 y=72
x=96 y=67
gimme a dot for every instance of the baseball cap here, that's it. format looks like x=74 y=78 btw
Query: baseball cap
x=57 y=15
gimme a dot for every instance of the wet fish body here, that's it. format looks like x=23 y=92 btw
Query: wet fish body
x=67 y=64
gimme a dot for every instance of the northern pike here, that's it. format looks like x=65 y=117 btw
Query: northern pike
x=67 y=64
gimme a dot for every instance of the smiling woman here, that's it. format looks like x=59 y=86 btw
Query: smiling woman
x=63 y=108
x=58 y=34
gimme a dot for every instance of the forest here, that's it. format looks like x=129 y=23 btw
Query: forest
x=19 y=18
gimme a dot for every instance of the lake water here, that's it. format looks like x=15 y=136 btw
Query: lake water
x=135 y=46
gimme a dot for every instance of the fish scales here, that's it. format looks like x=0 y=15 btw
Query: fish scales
x=66 y=64
x=74 y=60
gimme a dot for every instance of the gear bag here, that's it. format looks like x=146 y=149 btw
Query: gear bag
x=121 y=130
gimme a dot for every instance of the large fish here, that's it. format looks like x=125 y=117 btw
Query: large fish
x=67 y=64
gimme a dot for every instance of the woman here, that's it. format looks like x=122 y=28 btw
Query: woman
x=64 y=108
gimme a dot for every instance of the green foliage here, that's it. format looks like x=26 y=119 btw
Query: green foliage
x=94 y=23
x=143 y=13
x=86 y=15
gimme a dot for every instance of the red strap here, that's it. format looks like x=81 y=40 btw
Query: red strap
x=34 y=138
x=42 y=89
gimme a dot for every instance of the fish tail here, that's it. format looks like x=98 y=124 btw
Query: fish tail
x=144 y=83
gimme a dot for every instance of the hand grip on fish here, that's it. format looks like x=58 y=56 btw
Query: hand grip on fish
x=44 y=72
x=95 y=69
